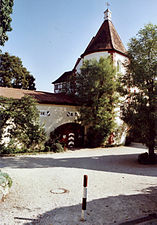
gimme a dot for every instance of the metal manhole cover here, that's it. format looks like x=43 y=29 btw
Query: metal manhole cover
x=59 y=191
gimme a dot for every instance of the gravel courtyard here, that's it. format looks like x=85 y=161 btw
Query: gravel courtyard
x=120 y=191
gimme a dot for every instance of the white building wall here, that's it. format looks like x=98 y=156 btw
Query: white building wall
x=95 y=55
x=122 y=59
x=52 y=116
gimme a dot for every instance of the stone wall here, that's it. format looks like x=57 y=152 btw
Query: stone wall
x=53 y=116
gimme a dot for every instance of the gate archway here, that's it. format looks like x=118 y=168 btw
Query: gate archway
x=72 y=134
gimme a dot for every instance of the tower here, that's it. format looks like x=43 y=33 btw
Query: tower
x=106 y=42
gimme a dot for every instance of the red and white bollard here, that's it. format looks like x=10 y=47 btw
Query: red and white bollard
x=84 y=199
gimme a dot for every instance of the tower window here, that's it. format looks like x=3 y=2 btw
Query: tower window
x=119 y=66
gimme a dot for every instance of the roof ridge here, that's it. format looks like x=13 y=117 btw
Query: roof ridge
x=106 y=39
x=113 y=43
x=39 y=96
x=111 y=37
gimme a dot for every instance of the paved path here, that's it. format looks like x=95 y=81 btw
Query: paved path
x=119 y=189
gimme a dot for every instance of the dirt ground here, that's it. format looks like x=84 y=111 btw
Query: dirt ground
x=47 y=188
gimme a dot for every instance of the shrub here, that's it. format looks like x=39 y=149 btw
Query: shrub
x=96 y=137
x=11 y=150
x=59 y=148
x=54 y=144
x=144 y=158
x=4 y=177
x=20 y=124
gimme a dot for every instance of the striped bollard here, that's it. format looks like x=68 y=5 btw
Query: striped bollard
x=84 y=199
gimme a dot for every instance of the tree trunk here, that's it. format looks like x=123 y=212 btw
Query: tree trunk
x=152 y=130
x=151 y=151
x=152 y=155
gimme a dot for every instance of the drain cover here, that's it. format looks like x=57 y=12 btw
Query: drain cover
x=59 y=191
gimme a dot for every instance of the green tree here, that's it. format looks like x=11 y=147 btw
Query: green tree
x=140 y=86
x=96 y=88
x=14 y=74
x=5 y=19
x=19 y=121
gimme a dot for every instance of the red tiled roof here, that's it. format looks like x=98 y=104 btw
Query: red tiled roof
x=106 y=39
x=41 y=97
x=77 y=62
x=63 y=77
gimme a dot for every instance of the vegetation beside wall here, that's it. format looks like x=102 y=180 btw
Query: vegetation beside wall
x=53 y=144
x=20 y=128
x=5 y=184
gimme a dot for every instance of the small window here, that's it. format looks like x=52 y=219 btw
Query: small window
x=44 y=113
x=119 y=66
x=56 y=86
x=64 y=85
x=60 y=86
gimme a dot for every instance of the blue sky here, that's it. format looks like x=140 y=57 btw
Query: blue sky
x=50 y=35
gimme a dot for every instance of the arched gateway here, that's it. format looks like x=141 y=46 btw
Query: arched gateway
x=72 y=134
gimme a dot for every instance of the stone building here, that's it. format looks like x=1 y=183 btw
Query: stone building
x=106 y=42
x=58 y=111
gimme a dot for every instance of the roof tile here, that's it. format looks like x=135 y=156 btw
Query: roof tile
x=41 y=97
x=106 y=39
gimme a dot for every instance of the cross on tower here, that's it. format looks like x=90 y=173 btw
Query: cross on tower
x=107 y=4
x=107 y=12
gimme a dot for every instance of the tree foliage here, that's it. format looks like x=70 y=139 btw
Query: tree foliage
x=96 y=86
x=5 y=19
x=140 y=86
x=14 y=74
x=19 y=122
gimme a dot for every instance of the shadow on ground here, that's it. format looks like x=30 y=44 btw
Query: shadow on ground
x=122 y=209
x=107 y=163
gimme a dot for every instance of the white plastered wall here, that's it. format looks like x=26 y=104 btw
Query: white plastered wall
x=51 y=117
x=56 y=115
x=118 y=57
x=122 y=59
x=95 y=55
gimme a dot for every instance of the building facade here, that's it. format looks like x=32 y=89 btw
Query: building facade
x=105 y=43
x=59 y=111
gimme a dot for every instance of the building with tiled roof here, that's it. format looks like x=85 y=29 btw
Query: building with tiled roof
x=106 y=39
x=105 y=42
x=59 y=111
x=40 y=96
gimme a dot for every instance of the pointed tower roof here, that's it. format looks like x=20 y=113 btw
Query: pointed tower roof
x=106 y=39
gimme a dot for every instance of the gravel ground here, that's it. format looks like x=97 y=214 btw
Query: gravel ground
x=119 y=189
